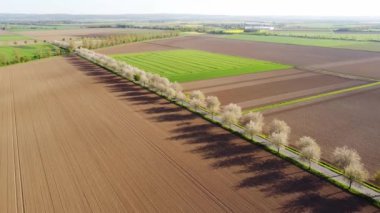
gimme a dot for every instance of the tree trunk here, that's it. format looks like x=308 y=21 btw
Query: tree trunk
x=309 y=164
x=350 y=184
x=278 y=149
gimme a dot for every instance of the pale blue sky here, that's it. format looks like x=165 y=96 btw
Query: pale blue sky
x=212 y=7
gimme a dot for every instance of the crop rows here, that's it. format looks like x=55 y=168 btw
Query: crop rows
x=190 y=65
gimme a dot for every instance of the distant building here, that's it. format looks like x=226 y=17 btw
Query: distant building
x=256 y=26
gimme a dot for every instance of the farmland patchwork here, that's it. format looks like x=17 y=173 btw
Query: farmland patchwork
x=191 y=65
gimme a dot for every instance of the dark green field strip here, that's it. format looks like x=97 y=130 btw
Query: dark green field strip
x=157 y=65
x=190 y=62
x=154 y=65
x=195 y=62
x=190 y=65
x=180 y=61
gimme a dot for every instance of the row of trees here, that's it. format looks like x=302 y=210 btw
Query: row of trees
x=105 y=41
x=330 y=36
x=25 y=42
x=231 y=115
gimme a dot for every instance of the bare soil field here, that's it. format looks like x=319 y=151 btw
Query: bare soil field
x=4 y=32
x=51 y=35
x=365 y=68
x=75 y=138
x=134 y=48
x=266 y=88
x=352 y=119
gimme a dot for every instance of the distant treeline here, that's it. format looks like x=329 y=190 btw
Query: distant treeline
x=106 y=41
x=163 y=27
x=339 y=35
x=184 y=28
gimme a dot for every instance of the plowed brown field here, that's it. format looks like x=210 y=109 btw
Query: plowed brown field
x=260 y=89
x=75 y=138
x=352 y=119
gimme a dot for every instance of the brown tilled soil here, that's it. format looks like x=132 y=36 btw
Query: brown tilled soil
x=365 y=68
x=255 y=90
x=75 y=138
x=352 y=119
x=4 y=32
x=133 y=48
x=52 y=35
x=204 y=84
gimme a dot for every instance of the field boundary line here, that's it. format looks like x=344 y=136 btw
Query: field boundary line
x=338 y=74
x=18 y=175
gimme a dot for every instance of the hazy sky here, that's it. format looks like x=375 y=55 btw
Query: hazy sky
x=214 y=7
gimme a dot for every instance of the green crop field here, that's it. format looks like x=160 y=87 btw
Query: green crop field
x=12 y=37
x=36 y=27
x=22 y=53
x=191 y=65
x=334 y=43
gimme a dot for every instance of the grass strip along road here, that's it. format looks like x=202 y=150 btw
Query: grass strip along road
x=189 y=65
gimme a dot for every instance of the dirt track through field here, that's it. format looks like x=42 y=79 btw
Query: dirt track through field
x=75 y=138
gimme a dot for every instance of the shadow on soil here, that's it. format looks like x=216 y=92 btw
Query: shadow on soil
x=262 y=171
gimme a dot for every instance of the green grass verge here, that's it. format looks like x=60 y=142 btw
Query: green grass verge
x=191 y=65
x=332 y=43
x=310 y=98
x=23 y=53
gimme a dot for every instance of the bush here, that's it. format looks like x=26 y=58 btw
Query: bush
x=344 y=156
x=278 y=126
x=136 y=77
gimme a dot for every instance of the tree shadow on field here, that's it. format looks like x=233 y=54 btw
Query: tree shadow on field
x=257 y=170
x=124 y=89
